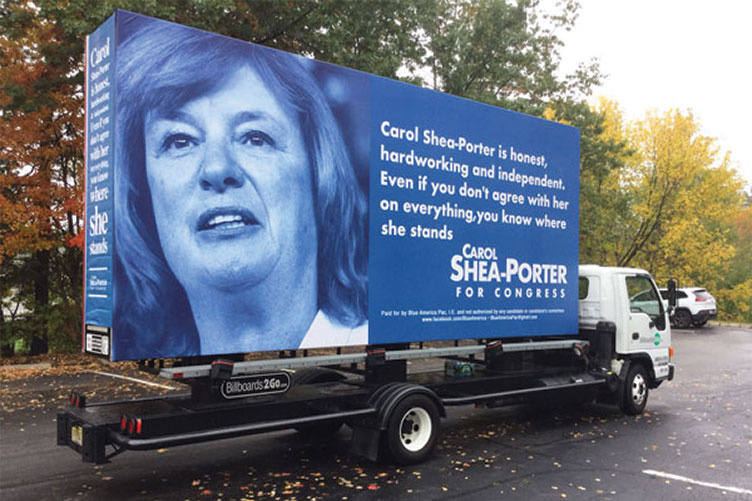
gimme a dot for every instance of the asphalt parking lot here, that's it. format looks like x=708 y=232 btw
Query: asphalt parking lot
x=693 y=442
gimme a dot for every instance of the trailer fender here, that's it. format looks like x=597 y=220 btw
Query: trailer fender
x=385 y=399
x=367 y=434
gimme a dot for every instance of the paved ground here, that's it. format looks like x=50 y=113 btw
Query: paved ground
x=697 y=428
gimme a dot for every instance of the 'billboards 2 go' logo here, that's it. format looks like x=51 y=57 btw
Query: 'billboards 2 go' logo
x=255 y=385
x=657 y=338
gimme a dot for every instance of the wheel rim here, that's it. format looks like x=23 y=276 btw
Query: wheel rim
x=415 y=429
x=682 y=319
x=638 y=389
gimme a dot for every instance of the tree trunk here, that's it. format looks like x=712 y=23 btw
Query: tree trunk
x=6 y=347
x=39 y=343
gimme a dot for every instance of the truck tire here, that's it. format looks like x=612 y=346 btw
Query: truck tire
x=313 y=375
x=682 y=319
x=412 y=429
x=635 y=396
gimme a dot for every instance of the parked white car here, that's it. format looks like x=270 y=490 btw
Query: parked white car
x=694 y=306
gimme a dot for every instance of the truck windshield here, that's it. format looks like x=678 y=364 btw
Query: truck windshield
x=643 y=298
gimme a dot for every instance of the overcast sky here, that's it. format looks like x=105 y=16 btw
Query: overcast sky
x=661 y=54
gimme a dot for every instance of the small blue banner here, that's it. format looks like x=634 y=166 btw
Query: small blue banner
x=100 y=172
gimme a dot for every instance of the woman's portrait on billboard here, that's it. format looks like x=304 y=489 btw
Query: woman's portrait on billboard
x=241 y=221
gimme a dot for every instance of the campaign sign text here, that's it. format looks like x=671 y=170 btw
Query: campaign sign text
x=99 y=161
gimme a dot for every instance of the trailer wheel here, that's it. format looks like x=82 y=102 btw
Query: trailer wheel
x=636 y=390
x=412 y=429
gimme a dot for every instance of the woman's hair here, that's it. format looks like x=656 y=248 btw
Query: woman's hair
x=162 y=66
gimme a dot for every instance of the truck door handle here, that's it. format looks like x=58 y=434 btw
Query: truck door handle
x=635 y=336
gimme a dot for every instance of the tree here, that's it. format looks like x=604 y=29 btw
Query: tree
x=503 y=53
x=378 y=37
x=40 y=120
x=603 y=153
x=676 y=207
x=656 y=194
x=684 y=199
x=735 y=294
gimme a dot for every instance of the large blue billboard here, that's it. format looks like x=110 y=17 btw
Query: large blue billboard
x=260 y=201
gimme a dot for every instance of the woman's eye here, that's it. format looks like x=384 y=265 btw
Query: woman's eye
x=178 y=142
x=256 y=138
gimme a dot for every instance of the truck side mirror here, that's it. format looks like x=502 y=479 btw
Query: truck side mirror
x=672 y=293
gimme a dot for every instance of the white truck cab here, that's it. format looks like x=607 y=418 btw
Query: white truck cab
x=627 y=301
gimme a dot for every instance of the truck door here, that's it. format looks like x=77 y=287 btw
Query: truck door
x=647 y=325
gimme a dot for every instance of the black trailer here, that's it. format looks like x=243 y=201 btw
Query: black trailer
x=394 y=414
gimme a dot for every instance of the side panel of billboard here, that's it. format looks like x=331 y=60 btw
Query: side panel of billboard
x=266 y=201
x=100 y=172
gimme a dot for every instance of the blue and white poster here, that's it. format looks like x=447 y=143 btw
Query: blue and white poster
x=99 y=161
x=261 y=201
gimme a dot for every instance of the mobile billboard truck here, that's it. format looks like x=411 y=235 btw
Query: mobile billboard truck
x=242 y=199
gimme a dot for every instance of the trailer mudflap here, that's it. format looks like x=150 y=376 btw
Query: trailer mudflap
x=365 y=441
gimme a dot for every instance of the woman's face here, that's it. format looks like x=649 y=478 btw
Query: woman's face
x=231 y=187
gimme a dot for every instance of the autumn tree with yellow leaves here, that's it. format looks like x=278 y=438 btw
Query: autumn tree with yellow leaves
x=736 y=286
x=673 y=206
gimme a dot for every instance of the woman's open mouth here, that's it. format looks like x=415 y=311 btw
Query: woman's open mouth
x=227 y=221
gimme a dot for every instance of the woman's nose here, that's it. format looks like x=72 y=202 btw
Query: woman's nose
x=219 y=171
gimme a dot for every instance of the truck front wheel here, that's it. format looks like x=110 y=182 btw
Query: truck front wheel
x=635 y=396
x=412 y=430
